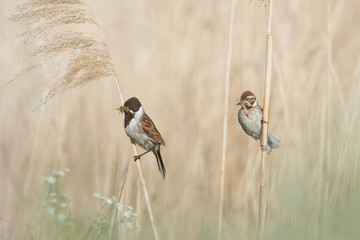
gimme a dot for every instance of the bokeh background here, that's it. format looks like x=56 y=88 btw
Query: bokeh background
x=172 y=56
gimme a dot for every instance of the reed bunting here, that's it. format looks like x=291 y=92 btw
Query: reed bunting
x=142 y=131
x=250 y=117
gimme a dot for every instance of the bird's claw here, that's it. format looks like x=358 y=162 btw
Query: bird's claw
x=136 y=157
x=263 y=121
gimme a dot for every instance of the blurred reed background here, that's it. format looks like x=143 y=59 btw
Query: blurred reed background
x=172 y=55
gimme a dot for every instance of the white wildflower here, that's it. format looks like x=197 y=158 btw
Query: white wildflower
x=108 y=201
x=50 y=211
x=97 y=195
x=51 y=179
x=120 y=207
x=61 y=217
x=63 y=205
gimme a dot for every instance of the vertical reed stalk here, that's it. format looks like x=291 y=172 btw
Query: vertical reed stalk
x=113 y=216
x=263 y=196
x=226 y=103
x=146 y=195
x=138 y=208
x=141 y=176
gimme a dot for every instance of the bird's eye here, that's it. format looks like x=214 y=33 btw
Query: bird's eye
x=251 y=101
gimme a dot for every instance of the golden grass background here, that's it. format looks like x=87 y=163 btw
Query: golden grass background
x=172 y=55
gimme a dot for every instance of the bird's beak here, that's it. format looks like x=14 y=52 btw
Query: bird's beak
x=239 y=101
x=121 y=109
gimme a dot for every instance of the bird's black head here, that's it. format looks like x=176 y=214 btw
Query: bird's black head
x=131 y=105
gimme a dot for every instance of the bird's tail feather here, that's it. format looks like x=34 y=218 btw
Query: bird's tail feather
x=272 y=143
x=160 y=164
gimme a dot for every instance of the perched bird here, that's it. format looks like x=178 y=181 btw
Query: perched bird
x=250 y=117
x=142 y=131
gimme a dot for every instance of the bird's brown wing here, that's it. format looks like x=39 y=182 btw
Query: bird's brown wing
x=151 y=130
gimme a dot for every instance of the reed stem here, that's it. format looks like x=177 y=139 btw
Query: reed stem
x=262 y=195
x=226 y=103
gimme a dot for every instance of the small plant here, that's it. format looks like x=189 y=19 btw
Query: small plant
x=101 y=225
x=53 y=220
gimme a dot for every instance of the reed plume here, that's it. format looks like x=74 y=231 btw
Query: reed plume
x=78 y=57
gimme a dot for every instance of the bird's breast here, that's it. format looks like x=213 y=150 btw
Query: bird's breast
x=250 y=121
x=137 y=134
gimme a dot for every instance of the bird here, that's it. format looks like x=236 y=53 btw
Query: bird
x=142 y=131
x=250 y=117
